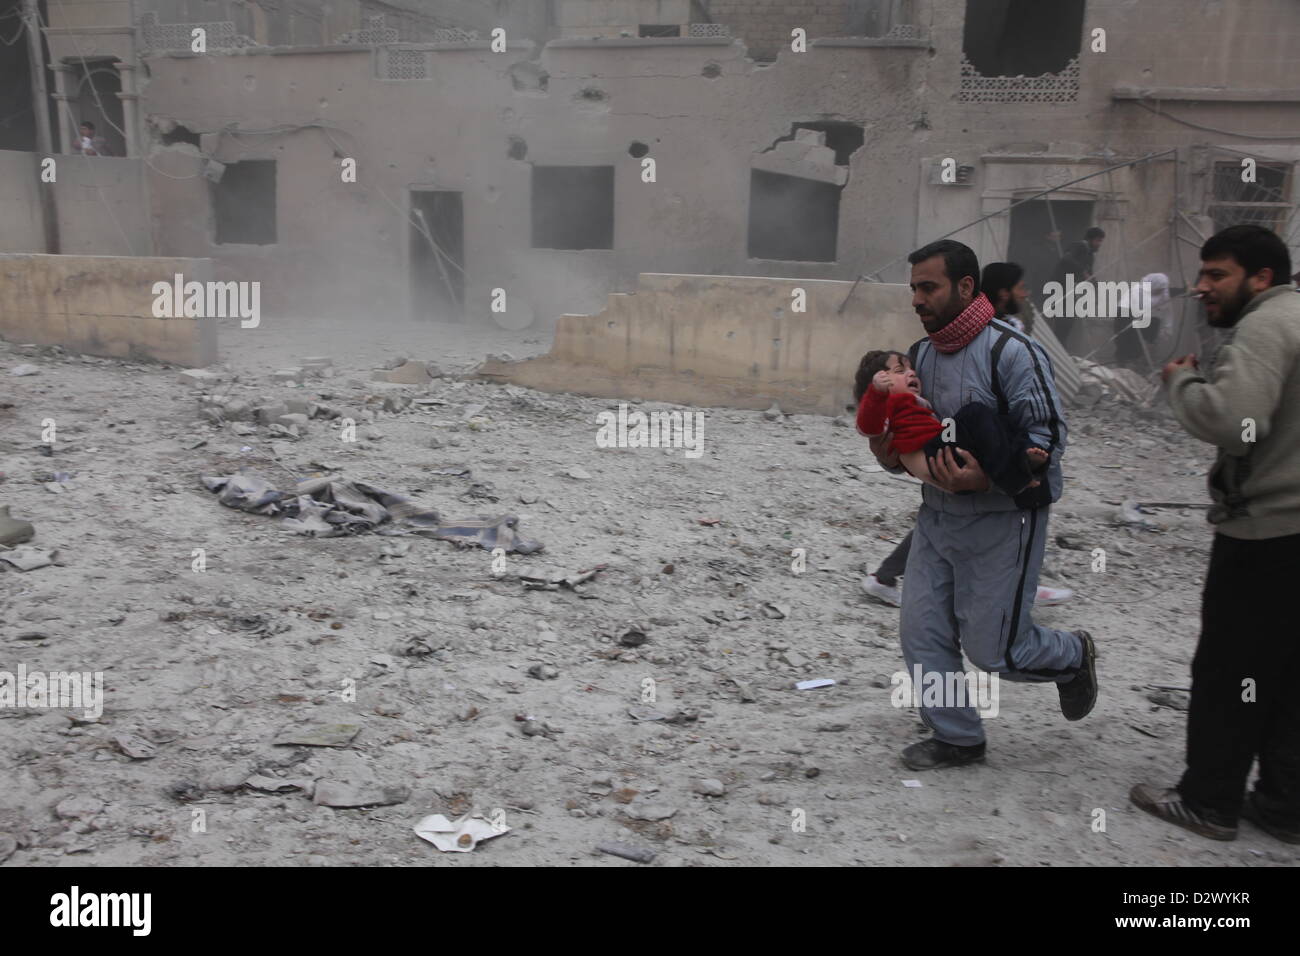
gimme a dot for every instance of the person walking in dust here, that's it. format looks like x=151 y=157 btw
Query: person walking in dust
x=972 y=572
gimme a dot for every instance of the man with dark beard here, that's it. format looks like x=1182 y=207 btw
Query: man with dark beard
x=1003 y=284
x=1244 y=702
x=972 y=572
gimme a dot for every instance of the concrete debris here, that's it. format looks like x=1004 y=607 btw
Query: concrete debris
x=241 y=644
x=633 y=853
x=814 y=684
x=325 y=735
x=1171 y=699
x=270 y=414
x=408 y=373
x=29 y=558
x=79 y=807
x=709 y=787
x=200 y=378
x=14 y=530
x=1101 y=382
x=268 y=784
x=337 y=793
x=21 y=370
x=317 y=366
x=137 y=748
x=805 y=157
x=650 y=812
x=1130 y=513
x=552 y=581
x=633 y=636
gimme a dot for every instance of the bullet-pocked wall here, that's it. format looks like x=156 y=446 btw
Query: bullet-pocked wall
x=702 y=112
x=464 y=120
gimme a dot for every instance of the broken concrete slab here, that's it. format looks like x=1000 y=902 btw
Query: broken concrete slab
x=200 y=378
x=323 y=735
x=237 y=410
x=270 y=414
x=408 y=373
x=804 y=157
x=337 y=793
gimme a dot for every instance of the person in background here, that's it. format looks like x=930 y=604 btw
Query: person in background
x=1161 y=306
x=1078 y=261
x=88 y=144
x=1004 y=284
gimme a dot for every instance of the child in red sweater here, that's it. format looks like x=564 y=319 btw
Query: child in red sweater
x=893 y=403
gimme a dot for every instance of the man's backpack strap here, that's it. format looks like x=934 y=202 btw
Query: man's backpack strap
x=994 y=379
x=913 y=352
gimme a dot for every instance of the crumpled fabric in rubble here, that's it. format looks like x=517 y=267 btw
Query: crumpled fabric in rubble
x=330 y=507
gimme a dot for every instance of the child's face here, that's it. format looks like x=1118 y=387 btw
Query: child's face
x=901 y=376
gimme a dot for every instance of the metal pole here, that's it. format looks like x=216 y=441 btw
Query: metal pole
x=44 y=139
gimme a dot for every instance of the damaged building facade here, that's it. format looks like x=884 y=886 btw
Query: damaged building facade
x=415 y=162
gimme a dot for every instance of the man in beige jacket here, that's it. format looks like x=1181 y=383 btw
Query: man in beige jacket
x=1245 y=703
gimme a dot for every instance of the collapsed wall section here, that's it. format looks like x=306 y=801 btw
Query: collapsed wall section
x=731 y=341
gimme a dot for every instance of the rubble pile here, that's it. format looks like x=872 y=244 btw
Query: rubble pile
x=690 y=660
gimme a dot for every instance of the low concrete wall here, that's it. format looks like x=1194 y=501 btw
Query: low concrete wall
x=722 y=340
x=102 y=305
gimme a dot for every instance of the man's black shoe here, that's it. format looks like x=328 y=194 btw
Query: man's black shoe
x=1079 y=696
x=1169 y=805
x=1257 y=815
x=935 y=755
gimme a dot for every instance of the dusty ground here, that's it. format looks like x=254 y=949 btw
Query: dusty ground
x=193 y=663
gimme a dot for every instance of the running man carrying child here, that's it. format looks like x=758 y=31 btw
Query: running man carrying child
x=973 y=567
x=882 y=584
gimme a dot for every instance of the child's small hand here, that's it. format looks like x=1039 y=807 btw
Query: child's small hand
x=881 y=381
x=1038 y=459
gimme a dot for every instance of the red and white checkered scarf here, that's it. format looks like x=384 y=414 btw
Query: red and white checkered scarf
x=957 y=334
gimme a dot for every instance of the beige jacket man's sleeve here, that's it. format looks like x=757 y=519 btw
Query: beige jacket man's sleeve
x=1247 y=383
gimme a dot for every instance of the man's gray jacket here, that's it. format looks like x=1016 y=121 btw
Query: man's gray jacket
x=1008 y=371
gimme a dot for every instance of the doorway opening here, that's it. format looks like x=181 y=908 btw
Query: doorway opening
x=1040 y=231
x=437 y=237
